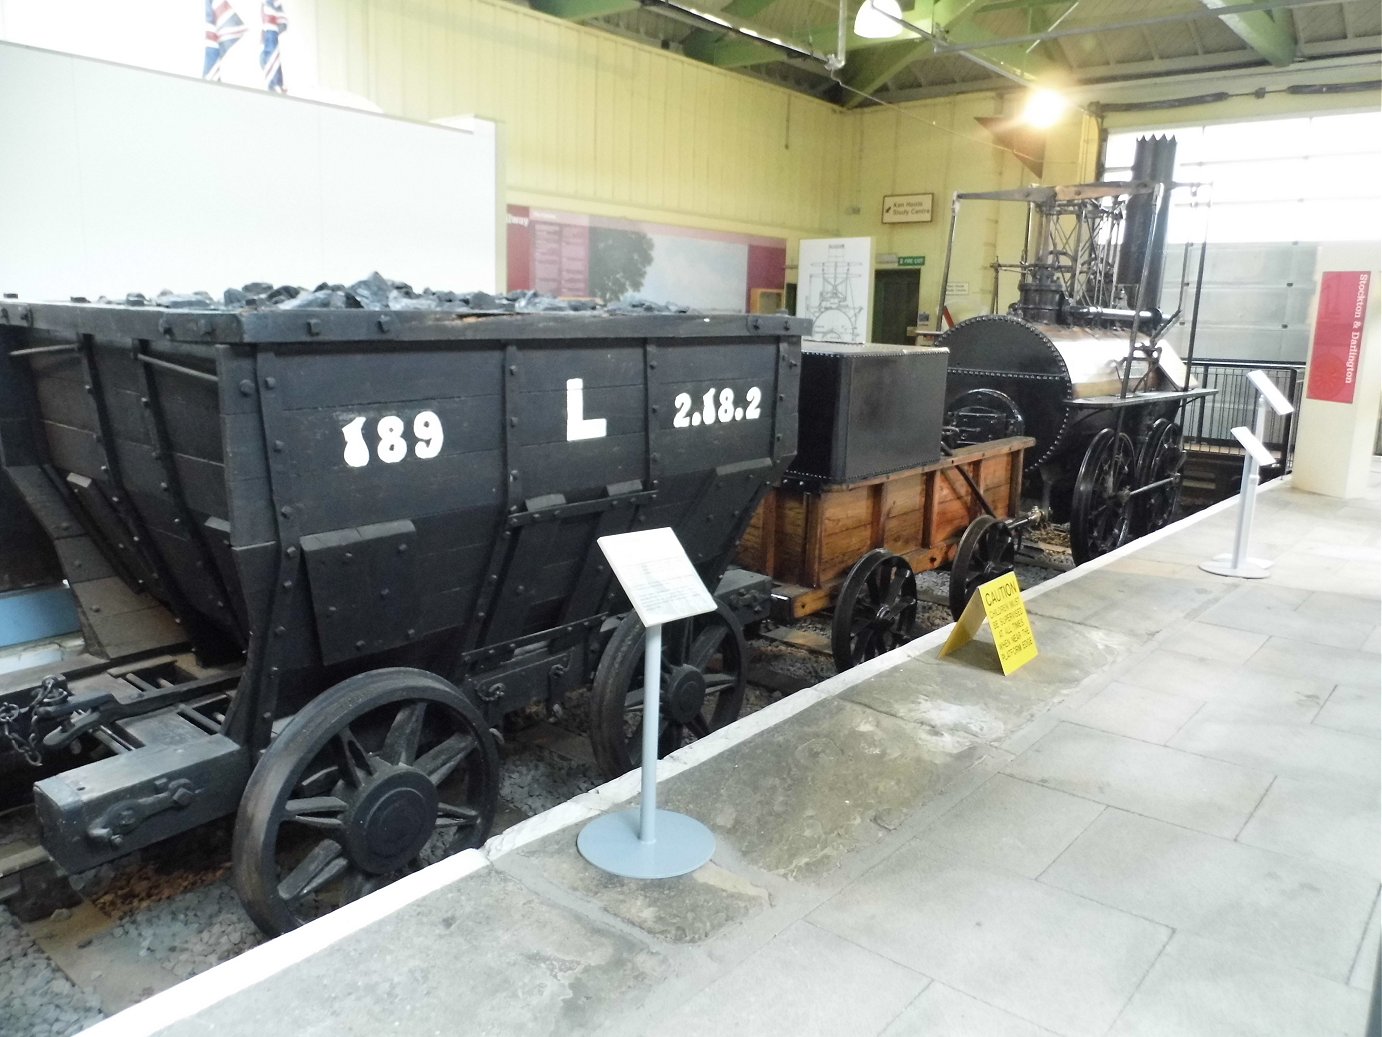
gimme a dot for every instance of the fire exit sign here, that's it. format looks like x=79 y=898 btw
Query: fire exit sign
x=911 y=260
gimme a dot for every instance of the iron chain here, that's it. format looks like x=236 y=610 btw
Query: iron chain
x=53 y=692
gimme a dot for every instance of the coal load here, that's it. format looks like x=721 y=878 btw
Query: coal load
x=377 y=292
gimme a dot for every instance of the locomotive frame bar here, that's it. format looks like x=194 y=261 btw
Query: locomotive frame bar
x=376 y=529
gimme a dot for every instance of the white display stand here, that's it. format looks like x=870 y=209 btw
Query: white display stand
x=1255 y=454
x=663 y=586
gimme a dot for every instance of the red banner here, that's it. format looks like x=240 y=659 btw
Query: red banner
x=1338 y=335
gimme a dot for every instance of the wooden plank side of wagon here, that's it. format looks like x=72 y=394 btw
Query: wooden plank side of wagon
x=807 y=538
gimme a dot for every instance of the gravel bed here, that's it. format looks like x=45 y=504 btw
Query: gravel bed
x=36 y=997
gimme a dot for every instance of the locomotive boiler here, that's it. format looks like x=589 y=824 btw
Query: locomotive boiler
x=1080 y=363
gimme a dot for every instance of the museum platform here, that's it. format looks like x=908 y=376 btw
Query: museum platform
x=1168 y=822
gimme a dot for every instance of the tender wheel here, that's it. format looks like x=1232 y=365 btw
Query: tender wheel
x=985 y=552
x=1100 y=514
x=704 y=671
x=385 y=771
x=876 y=610
x=1162 y=457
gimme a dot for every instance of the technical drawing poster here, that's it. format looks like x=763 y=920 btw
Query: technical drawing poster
x=833 y=287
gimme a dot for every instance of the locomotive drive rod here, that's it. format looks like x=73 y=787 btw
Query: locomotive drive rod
x=1152 y=486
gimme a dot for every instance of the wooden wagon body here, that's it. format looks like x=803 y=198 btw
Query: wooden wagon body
x=807 y=535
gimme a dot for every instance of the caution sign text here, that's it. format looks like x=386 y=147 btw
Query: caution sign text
x=1000 y=602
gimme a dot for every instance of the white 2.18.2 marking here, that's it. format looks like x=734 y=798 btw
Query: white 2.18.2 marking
x=709 y=413
x=392 y=448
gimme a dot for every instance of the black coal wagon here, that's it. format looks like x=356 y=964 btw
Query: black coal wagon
x=372 y=534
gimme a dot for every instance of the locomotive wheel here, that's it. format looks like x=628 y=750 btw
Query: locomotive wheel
x=1162 y=457
x=876 y=610
x=1100 y=513
x=383 y=771
x=985 y=553
x=704 y=671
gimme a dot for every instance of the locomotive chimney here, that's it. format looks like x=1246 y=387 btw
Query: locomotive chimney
x=1155 y=159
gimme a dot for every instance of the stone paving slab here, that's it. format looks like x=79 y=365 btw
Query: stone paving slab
x=1224 y=647
x=1207 y=795
x=804 y=981
x=1320 y=820
x=1012 y=824
x=1297 y=750
x=1202 y=989
x=1364 y=973
x=1302 y=659
x=484 y=956
x=942 y=1011
x=967 y=696
x=1264 y=616
x=1303 y=913
x=687 y=909
x=1058 y=960
x=1128 y=603
x=1353 y=708
x=1153 y=714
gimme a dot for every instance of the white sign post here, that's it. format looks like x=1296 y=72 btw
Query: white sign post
x=1255 y=455
x=663 y=586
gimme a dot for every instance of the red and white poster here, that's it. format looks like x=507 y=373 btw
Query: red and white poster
x=579 y=256
x=1339 y=319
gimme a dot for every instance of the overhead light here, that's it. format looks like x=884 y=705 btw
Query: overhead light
x=877 y=20
x=1044 y=108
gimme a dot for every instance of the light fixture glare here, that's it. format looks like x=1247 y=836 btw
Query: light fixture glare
x=875 y=20
x=1044 y=108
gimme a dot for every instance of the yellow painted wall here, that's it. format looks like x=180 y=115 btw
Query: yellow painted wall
x=591 y=122
x=938 y=147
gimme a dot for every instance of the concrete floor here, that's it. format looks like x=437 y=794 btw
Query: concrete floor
x=1168 y=823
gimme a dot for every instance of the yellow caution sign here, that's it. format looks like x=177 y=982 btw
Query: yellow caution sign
x=1000 y=602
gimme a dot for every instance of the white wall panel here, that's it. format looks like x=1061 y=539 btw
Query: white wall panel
x=129 y=180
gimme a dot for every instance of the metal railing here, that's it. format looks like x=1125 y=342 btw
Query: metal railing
x=1207 y=421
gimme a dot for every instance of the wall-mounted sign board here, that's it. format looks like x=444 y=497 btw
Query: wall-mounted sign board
x=907 y=208
x=911 y=260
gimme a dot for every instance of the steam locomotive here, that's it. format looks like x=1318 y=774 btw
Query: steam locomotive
x=1080 y=363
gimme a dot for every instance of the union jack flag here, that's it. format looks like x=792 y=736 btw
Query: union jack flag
x=272 y=22
x=223 y=30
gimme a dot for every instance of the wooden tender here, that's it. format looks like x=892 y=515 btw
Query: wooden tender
x=808 y=536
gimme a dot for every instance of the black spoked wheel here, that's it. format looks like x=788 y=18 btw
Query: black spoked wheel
x=385 y=772
x=1160 y=460
x=985 y=552
x=704 y=671
x=1101 y=516
x=876 y=610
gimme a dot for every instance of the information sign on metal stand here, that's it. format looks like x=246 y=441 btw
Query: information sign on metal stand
x=663 y=586
x=1255 y=455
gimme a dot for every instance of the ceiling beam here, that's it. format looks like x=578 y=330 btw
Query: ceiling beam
x=1270 y=37
x=741 y=51
x=583 y=10
x=702 y=39
x=949 y=20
